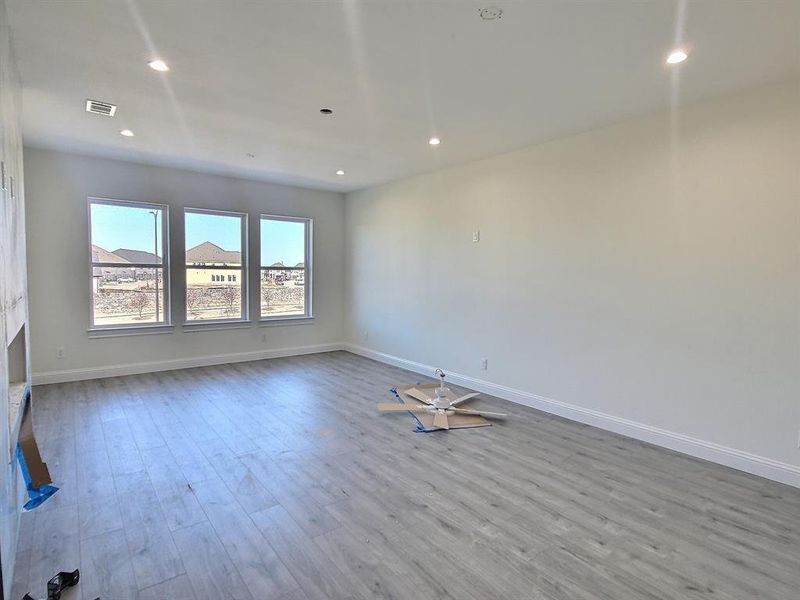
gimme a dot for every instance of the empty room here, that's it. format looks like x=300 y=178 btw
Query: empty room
x=400 y=299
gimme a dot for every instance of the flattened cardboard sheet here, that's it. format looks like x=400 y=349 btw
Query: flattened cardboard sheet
x=420 y=394
x=37 y=468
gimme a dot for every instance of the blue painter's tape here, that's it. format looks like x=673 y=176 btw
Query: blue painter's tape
x=420 y=428
x=36 y=495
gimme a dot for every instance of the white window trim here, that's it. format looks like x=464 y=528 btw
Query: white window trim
x=281 y=321
x=191 y=324
x=308 y=272
x=216 y=325
x=143 y=327
x=155 y=329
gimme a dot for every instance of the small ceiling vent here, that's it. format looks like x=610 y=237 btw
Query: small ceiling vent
x=100 y=108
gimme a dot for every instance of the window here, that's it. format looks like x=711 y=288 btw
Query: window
x=214 y=253
x=129 y=272
x=285 y=267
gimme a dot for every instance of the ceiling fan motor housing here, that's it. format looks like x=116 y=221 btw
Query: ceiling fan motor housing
x=440 y=399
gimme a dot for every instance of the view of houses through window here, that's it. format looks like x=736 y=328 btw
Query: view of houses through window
x=129 y=281
x=284 y=267
x=215 y=279
x=130 y=277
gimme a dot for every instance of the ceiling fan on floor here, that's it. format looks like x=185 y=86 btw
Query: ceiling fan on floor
x=439 y=401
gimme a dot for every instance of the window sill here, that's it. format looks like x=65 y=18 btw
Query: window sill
x=110 y=332
x=278 y=321
x=216 y=325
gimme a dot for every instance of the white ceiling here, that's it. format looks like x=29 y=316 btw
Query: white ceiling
x=250 y=77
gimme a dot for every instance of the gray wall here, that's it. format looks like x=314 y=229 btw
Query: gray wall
x=645 y=271
x=58 y=185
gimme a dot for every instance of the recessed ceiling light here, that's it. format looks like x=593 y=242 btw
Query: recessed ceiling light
x=340 y=172
x=158 y=65
x=126 y=133
x=326 y=111
x=677 y=56
x=434 y=141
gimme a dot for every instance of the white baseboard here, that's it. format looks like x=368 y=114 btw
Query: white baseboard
x=723 y=455
x=179 y=363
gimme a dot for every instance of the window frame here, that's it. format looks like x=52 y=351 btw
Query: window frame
x=164 y=266
x=243 y=267
x=308 y=269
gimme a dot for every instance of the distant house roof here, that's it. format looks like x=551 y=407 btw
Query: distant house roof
x=280 y=265
x=211 y=253
x=102 y=255
x=138 y=256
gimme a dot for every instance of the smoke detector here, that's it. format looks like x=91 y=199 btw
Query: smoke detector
x=490 y=13
x=101 y=108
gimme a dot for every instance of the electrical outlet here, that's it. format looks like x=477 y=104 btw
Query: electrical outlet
x=484 y=364
x=60 y=353
x=264 y=337
x=476 y=236
x=366 y=335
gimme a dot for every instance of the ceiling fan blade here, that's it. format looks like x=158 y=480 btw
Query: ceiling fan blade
x=397 y=407
x=464 y=398
x=483 y=413
x=440 y=420
x=418 y=395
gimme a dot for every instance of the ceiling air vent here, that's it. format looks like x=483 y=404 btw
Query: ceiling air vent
x=100 y=108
